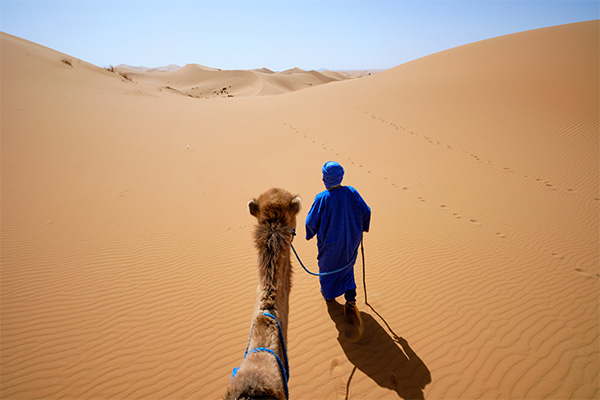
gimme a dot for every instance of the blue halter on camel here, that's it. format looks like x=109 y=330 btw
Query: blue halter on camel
x=283 y=366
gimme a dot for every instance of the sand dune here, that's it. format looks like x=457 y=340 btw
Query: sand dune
x=198 y=81
x=127 y=263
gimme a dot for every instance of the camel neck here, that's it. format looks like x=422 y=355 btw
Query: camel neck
x=273 y=244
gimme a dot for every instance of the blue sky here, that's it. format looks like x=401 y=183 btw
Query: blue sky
x=277 y=34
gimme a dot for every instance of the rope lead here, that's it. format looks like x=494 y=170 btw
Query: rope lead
x=351 y=263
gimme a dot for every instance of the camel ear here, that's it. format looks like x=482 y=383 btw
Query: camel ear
x=253 y=207
x=295 y=204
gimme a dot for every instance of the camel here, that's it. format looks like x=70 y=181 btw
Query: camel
x=264 y=371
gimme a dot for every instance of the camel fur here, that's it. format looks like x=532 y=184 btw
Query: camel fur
x=259 y=375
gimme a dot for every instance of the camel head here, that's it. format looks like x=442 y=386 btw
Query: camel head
x=274 y=207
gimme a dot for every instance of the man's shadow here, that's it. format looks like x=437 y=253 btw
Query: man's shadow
x=390 y=362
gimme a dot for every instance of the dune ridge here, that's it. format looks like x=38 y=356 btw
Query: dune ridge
x=127 y=263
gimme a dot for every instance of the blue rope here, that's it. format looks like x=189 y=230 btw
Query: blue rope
x=351 y=263
x=285 y=357
x=285 y=368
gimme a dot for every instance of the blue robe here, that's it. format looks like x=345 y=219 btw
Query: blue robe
x=338 y=217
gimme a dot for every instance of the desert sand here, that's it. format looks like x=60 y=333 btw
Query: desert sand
x=128 y=269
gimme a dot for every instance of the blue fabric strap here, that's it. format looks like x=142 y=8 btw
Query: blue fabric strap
x=281 y=367
x=284 y=367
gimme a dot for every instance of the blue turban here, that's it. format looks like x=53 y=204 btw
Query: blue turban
x=333 y=173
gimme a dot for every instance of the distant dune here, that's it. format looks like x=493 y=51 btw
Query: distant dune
x=202 y=82
x=356 y=73
x=128 y=267
x=191 y=80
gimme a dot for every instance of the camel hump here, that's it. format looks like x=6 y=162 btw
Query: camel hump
x=267 y=332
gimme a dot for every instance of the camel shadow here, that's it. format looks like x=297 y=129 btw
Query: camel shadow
x=390 y=362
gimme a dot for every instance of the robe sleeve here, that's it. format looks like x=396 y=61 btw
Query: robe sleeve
x=313 y=219
x=366 y=212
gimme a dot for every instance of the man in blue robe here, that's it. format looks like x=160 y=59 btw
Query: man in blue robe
x=338 y=217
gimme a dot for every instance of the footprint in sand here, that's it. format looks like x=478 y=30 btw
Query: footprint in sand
x=501 y=235
x=475 y=222
x=338 y=377
x=557 y=256
x=421 y=199
x=335 y=363
x=582 y=272
x=456 y=215
x=444 y=207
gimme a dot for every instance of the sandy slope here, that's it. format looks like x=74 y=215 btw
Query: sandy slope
x=128 y=269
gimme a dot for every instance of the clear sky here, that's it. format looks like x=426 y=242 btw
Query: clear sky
x=277 y=34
